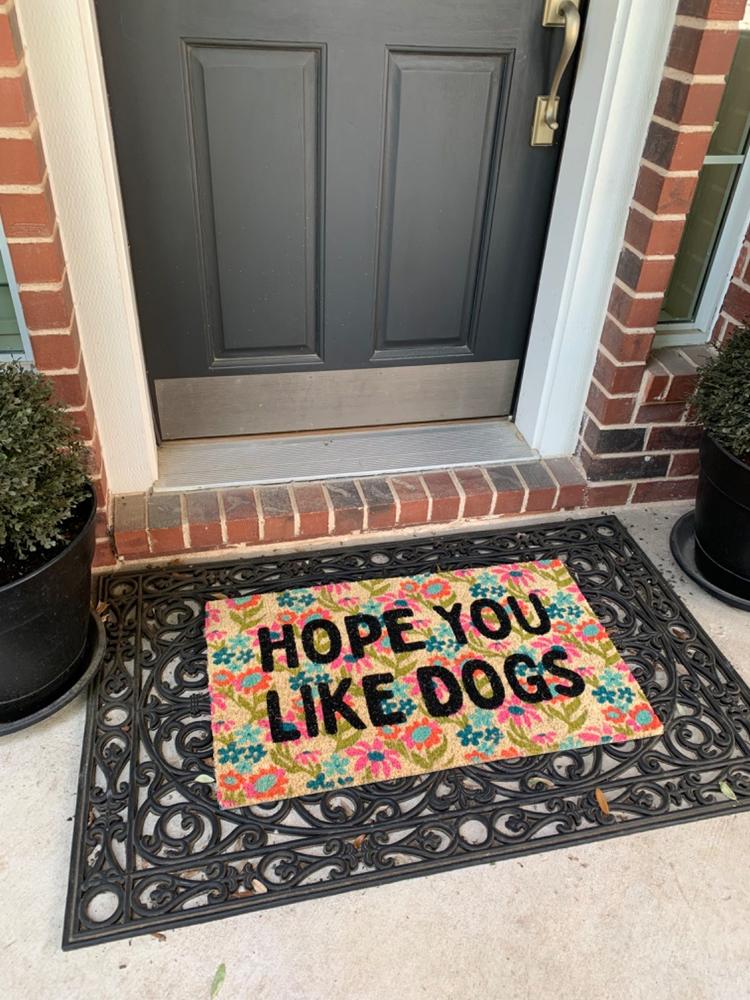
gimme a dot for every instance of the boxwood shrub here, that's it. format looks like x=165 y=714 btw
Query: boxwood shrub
x=722 y=397
x=42 y=465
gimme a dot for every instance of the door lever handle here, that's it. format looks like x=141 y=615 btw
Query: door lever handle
x=566 y=14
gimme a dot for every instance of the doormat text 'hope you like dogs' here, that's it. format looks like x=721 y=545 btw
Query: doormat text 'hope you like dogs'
x=343 y=684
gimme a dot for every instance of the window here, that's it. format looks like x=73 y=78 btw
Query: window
x=14 y=338
x=718 y=216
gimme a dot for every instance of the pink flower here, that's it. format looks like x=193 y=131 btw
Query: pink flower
x=520 y=714
x=215 y=635
x=595 y=735
x=521 y=575
x=375 y=757
x=544 y=738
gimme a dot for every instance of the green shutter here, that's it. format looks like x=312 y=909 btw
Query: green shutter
x=10 y=334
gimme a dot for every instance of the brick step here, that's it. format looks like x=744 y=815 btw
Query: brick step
x=162 y=524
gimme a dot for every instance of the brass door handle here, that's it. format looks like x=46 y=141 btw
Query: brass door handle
x=564 y=13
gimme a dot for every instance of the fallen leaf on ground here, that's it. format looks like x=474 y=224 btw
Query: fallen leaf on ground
x=218 y=979
x=159 y=936
x=258 y=886
x=726 y=789
x=358 y=841
x=537 y=782
x=601 y=801
x=204 y=779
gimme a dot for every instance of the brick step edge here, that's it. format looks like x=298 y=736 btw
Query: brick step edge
x=169 y=524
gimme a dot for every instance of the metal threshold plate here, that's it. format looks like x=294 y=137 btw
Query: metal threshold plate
x=185 y=465
x=280 y=402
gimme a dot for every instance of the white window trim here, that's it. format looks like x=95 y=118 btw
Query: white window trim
x=619 y=71
x=26 y=355
x=720 y=271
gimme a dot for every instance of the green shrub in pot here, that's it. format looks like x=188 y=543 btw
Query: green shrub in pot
x=47 y=510
x=721 y=404
x=42 y=468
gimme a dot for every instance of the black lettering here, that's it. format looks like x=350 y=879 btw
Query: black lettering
x=577 y=684
x=334 y=704
x=308 y=640
x=311 y=719
x=396 y=630
x=286 y=642
x=453 y=617
x=472 y=667
x=503 y=619
x=281 y=732
x=426 y=677
x=375 y=696
x=539 y=689
x=544 y=623
x=357 y=641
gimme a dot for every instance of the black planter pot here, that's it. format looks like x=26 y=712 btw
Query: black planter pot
x=45 y=628
x=722 y=520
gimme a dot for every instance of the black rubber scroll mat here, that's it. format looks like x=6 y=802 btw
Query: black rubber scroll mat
x=151 y=850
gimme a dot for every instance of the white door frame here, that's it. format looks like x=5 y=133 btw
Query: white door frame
x=619 y=71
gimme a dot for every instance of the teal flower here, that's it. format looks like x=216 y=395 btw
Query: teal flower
x=297 y=600
x=492 y=735
x=299 y=678
x=230 y=754
x=336 y=765
x=255 y=753
x=241 y=656
x=624 y=696
x=611 y=678
x=252 y=756
x=604 y=695
x=407 y=706
x=469 y=736
x=249 y=733
x=319 y=783
x=482 y=717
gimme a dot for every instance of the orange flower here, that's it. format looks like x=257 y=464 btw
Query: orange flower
x=270 y=783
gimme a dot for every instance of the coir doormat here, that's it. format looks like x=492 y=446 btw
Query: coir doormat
x=323 y=687
x=152 y=849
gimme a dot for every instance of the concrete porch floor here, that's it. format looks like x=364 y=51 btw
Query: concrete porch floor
x=661 y=914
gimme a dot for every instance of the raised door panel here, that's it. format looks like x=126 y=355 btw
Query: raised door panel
x=257 y=137
x=440 y=159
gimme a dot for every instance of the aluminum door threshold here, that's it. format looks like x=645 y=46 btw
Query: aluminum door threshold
x=252 y=461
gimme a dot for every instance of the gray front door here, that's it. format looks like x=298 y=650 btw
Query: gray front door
x=335 y=215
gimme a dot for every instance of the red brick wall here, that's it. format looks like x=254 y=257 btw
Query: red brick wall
x=636 y=441
x=735 y=309
x=636 y=444
x=28 y=213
